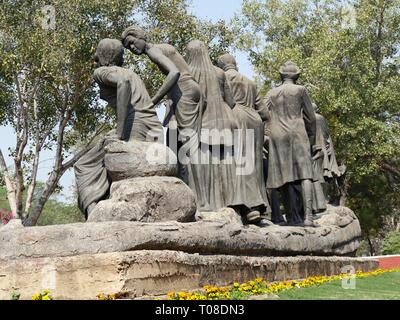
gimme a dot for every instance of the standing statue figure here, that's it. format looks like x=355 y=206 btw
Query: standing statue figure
x=273 y=194
x=327 y=167
x=292 y=143
x=217 y=125
x=250 y=112
x=327 y=164
x=136 y=120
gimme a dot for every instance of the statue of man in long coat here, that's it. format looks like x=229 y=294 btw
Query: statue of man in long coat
x=292 y=144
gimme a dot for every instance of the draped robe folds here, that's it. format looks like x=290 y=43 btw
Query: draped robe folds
x=250 y=187
x=183 y=118
x=217 y=168
x=327 y=166
x=187 y=108
x=91 y=177
x=140 y=124
x=319 y=200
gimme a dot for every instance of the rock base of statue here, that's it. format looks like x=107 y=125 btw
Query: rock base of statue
x=144 y=185
x=338 y=234
x=145 y=259
x=148 y=199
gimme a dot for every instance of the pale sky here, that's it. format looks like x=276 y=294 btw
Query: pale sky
x=206 y=9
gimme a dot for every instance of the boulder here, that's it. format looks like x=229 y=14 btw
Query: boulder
x=225 y=215
x=215 y=236
x=149 y=199
x=125 y=160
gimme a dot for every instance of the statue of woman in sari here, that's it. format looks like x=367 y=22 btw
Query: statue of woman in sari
x=217 y=125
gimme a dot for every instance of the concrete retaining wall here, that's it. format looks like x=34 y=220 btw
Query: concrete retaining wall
x=151 y=273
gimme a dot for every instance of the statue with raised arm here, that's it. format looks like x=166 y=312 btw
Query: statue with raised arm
x=136 y=120
x=185 y=107
x=292 y=145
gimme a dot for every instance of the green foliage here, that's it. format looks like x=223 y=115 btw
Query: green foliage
x=57 y=62
x=3 y=199
x=391 y=244
x=373 y=199
x=382 y=287
x=352 y=71
x=54 y=212
x=15 y=296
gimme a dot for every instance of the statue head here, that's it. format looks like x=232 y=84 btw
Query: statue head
x=195 y=47
x=110 y=52
x=289 y=71
x=134 y=39
x=227 y=62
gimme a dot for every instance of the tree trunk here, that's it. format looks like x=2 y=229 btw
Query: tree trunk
x=371 y=247
x=37 y=209
x=10 y=186
x=32 y=184
x=344 y=192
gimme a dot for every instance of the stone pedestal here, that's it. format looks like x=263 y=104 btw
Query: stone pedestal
x=153 y=273
x=148 y=239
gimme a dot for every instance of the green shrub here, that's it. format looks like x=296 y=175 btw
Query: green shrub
x=56 y=212
x=391 y=245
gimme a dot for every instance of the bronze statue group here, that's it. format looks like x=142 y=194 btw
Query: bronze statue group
x=234 y=148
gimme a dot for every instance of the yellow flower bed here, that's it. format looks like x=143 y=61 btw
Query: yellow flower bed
x=45 y=295
x=113 y=296
x=261 y=287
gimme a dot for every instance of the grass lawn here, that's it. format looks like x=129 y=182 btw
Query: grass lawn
x=382 y=287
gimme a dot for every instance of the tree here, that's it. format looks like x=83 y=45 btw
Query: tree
x=45 y=62
x=349 y=55
x=46 y=89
